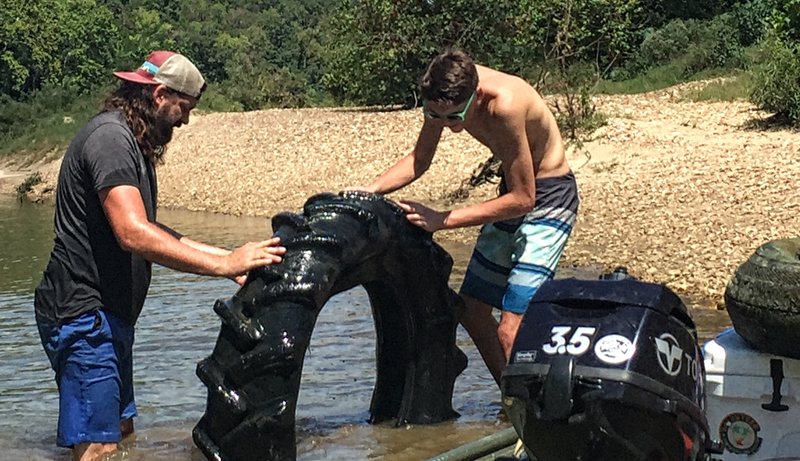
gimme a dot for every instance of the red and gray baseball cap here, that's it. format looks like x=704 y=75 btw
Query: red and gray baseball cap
x=168 y=68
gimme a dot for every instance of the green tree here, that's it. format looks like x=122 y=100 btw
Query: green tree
x=29 y=38
x=602 y=32
x=659 y=12
x=785 y=20
x=144 y=30
x=57 y=42
x=378 y=48
x=86 y=43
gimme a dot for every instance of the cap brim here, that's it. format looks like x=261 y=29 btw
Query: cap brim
x=135 y=77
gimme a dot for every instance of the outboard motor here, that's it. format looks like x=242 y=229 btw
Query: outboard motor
x=608 y=370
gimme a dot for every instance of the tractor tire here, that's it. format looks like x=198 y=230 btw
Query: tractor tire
x=339 y=242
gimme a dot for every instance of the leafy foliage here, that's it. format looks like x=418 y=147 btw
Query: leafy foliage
x=751 y=20
x=28 y=184
x=29 y=41
x=266 y=52
x=576 y=113
x=295 y=53
x=380 y=47
x=662 y=11
x=776 y=85
x=785 y=19
x=691 y=46
x=776 y=75
x=54 y=42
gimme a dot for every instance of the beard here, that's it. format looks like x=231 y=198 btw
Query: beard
x=162 y=128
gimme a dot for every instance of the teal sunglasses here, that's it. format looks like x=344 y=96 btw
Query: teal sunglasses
x=460 y=115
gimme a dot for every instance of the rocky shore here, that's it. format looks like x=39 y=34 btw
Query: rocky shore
x=678 y=192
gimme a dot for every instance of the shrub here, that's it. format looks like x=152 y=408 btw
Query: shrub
x=215 y=99
x=751 y=20
x=575 y=111
x=776 y=80
x=665 y=44
x=689 y=46
x=27 y=185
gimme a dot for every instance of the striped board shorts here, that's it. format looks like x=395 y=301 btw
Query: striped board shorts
x=513 y=258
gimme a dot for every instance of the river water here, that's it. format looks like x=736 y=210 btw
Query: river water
x=178 y=328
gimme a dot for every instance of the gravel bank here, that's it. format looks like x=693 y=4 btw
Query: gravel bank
x=679 y=192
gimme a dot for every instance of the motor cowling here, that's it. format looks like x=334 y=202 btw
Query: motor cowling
x=607 y=370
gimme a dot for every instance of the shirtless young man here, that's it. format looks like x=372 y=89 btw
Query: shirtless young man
x=527 y=226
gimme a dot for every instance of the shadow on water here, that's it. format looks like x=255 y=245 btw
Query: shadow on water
x=178 y=328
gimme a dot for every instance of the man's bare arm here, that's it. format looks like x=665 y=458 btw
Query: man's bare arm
x=193 y=243
x=514 y=150
x=413 y=165
x=126 y=214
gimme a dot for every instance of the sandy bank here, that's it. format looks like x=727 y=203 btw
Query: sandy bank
x=679 y=192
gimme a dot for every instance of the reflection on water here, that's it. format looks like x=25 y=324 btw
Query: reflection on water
x=178 y=328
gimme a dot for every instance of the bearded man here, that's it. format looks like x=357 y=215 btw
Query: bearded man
x=106 y=239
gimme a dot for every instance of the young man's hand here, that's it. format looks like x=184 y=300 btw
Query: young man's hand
x=359 y=189
x=420 y=215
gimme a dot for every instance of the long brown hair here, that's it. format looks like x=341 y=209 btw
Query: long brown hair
x=137 y=105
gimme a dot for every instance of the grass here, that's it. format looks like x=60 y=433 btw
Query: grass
x=48 y=120
x=730 y=85
x=54 y=132
x=737 y=86
x=735 y=83
x=655 y=79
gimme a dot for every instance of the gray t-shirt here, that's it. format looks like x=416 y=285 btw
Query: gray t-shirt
x=88 y=269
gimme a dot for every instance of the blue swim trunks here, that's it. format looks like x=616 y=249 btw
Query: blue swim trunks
x=93 y=361
x=513 y=258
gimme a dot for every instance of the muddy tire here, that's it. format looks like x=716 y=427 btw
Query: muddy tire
x=763 y=298
x=339 y=242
